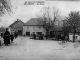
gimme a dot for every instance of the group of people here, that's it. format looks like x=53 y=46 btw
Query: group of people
x=63 y=37
x=8 y=38
x=38 y=36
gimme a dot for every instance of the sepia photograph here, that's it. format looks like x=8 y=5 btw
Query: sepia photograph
x=39 y=29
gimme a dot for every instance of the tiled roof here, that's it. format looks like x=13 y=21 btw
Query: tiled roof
x=34 y=21
x=15 y=23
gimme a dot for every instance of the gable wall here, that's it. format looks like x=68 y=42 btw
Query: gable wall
x=18 y=26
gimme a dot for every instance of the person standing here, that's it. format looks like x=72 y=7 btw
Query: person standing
x=63 y=38
x=15 y=34
x=12 y=37
x=6 y=37
x=34 y=35
x=1 y=35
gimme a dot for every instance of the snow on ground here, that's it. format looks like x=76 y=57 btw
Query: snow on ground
x=24 y=48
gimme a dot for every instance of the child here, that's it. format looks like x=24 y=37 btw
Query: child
x=1 y=35
x=0 y=41
x=11 y=37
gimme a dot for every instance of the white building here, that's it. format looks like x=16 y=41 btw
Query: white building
x=77 y=37
x=33 y=25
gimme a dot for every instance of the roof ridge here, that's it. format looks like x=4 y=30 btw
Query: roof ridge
x=34 y=21
x=16 y=21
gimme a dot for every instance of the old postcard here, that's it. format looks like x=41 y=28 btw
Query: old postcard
x=39 y=29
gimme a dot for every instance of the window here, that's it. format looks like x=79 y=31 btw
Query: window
x=39 y=27
x=27 y=27
x=34 y=27
x=27 y=33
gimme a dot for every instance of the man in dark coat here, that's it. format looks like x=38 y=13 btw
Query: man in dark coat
x=7 y=37
x=15 y=34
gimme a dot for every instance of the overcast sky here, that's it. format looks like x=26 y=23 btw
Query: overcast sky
x=25 y=12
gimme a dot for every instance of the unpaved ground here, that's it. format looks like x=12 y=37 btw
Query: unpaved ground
x=24 y=48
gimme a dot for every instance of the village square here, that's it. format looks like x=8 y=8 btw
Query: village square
x=39 y=30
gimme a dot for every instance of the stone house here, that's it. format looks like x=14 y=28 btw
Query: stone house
x=33 y=25
x=17 y=26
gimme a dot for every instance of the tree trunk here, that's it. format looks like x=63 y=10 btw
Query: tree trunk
x=74 y=34
x=74 y=37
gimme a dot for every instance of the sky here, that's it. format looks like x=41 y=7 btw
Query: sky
x=24 y=11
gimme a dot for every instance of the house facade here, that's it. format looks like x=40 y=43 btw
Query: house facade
x=33 y=25
x=17 y=26
x=77 y=36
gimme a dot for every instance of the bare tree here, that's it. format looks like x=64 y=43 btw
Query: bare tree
x=72 y=23
x=49 y=16
x=5 y=6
